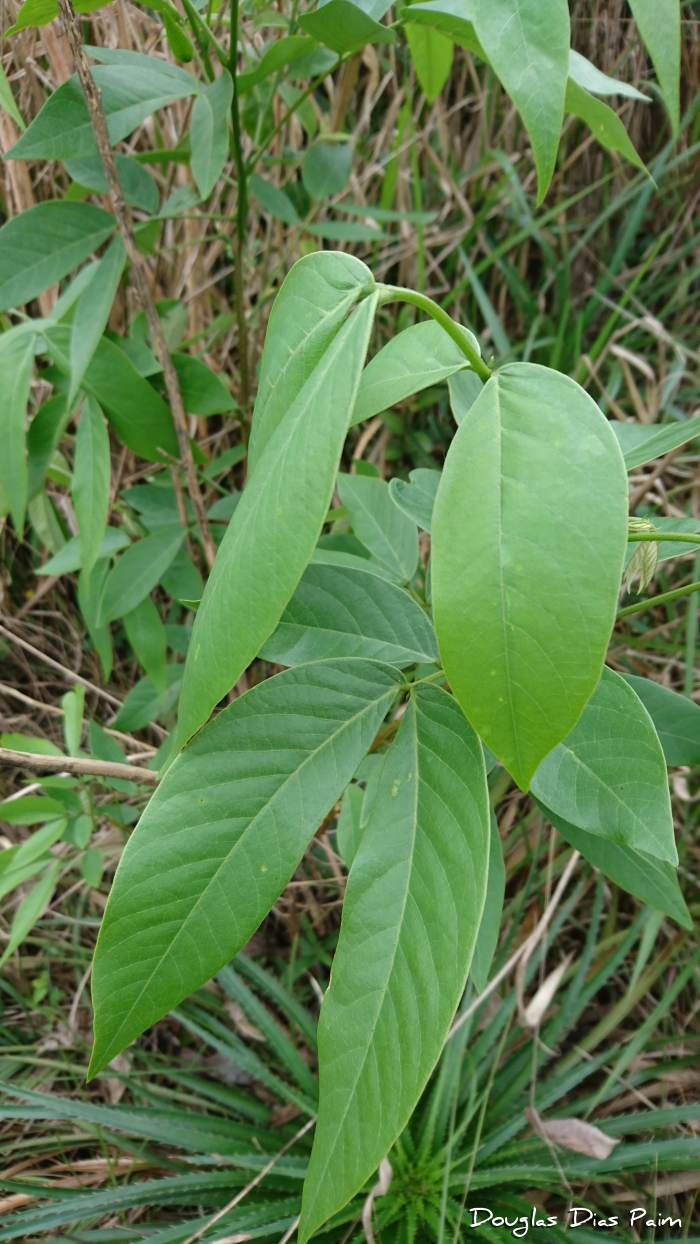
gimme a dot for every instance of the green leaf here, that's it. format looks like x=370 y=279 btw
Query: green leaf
x=16 y=367
x=412 y=909
x=452 y=18
x=642 y=442
x=529 y=535
x=91 y=483
x=282 y=52
x=203 y=393
x=146 y=634
x=337 y=612
x=487 y=938
x=138 y=415
x=92 y=313
x=670 y=548
x=89 y=598
x=344 y=27
x=139 y=60
x=182 y=580
x=308 y=312
x=432 y=54
x=527 y=42
x=388 y=533
x=7 y=99
x=138 y=187
x=652 y=880
x=34 y=847
x=28 y=743
x=349 y=830
x=326 y=167
x=416 y=498
x=30 y=810
x=223 y=834
x=659 y=24
x=130 y=93
x=144 y=702
x=345 y=231
x=67 y=559
x=41 y=12
x=414 y=359
x=274 y=201
x=42 y=245
x=277 y=522
x=676 y=720
x=178 y=42
x=73 y=704
x=584 y=74
x=464 y=386
x=323 y=556
x=138 y=571
x=30 y=909
x=209 y=132
x=608 y=776
x=603 y=123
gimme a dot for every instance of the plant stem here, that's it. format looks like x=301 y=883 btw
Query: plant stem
x=658 y=600
x=396 y=293
x=678 y=537
x=76 y=764
x=241 y=213
x=93 y=99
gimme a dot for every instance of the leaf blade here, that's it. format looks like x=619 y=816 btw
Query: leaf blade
x=43 y=244
x=209 y=132
x=91 y=483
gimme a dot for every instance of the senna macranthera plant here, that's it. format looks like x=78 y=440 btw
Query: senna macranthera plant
x=417 y=674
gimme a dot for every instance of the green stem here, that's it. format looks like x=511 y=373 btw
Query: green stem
x=241 y=211
x=396 y=293
x=678 y=537
x=658 y=600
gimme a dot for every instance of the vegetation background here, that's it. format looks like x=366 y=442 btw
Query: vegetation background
x=602 y=281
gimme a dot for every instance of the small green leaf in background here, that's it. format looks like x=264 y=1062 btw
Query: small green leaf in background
x=92 y=866
x=138 y=187
x=529 y=535
x=89 y=598
x=104 y=746
x=659 y=24
x=309 y=310
x=138 y=570
x=344 y=27
x=283 y=52
x=411 y=914
x=490 y=926
x=43 y=438
x=608 y=776
x=389 y=534
x=676 y=719
x=338 y=612
x=274 y=200
x=349 y=830
x=527 y=42
x=92 y=313
x=67 y=559
x=16 y=368
x=223 y=834
x=146 y=634
x=38 y=843
x=416 y=498
x=91 y=483
x=44 y=244
x=584 y=74
x=144 y=703
x=452 y=18
x=414 y=359
x=30 y=910
x=432 y=54
x=7 y=99
x=73 y=704
x=209 y=132
x=642 y=442
x=28 y=743
x=178 y=42
x=326 y=167
x=203 y=393
x=30 y=810
x=652 y=880
x=277 y=522
x=603 y=123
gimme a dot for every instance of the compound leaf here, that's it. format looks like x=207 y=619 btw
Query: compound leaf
x=277 y=521
x=338 y=612
x=608 y=776
x=412 y=909
x=223 y=834
x=308 y=312
x=528 y=539
x=527 y=42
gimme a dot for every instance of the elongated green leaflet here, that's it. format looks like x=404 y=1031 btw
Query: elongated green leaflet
x=414 y=359
x=652 y=880
x=223 y=834
x=17 y=364
x=91 y=483
x=676 y=720
x=608 y=776
x=412 y=910
x=529 y=535
x=307 y=314
x=659 y=23
x=388 y=532
x=338 y=612
x=487 y=938
x=276 y=525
